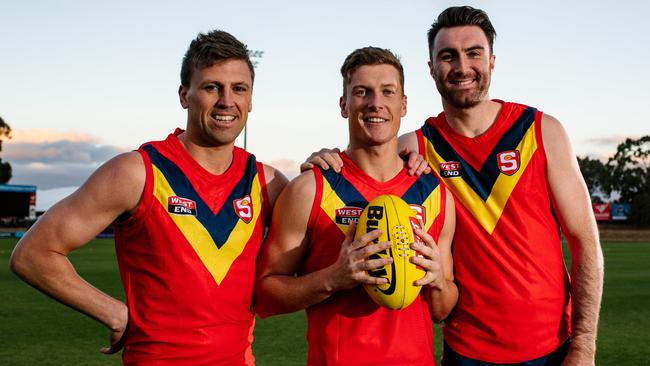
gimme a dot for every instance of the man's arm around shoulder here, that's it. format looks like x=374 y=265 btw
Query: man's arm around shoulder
x=40 y=257
x=408 y=148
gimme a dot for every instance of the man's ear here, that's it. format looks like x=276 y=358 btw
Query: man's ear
x=250 y=105
x=182 y=96
x=344 y=107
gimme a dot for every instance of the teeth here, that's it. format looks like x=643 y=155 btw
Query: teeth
x=375 y=119
x=463 y=82
x=219 y=117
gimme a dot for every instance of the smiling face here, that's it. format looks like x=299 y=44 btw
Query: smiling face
x=218 y=100
x=462 y=65
x=373 y=104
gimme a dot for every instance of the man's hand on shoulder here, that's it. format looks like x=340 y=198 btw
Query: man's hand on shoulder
x=330 y=159
x=408 y=147
x=415 y=163
x=325 y=158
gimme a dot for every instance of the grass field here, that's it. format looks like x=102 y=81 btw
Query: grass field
x=35 y=330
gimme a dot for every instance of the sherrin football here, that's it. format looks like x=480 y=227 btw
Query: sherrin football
x=396 y=220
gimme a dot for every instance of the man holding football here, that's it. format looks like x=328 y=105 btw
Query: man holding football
x=189 y=215
x=516 y=182
x=310 y=259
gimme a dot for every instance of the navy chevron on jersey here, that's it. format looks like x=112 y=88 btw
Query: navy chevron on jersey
x=480 y=184
x=513 y=286
x=187 y=259
x=350 y=328
x=170 y=175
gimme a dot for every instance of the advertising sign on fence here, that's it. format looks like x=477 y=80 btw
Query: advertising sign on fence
x=620 y=211
x=602 y=211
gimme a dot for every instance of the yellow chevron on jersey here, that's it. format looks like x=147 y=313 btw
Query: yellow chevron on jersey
x=431 y=207
x=216 y=258
x=331 y=202
x=486 y=210
x=345 y=195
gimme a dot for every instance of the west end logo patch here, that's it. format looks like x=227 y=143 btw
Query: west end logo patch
x=181 y=206
x=244 y=208
x=508 y=161
x=451 y=169
x=347 y=215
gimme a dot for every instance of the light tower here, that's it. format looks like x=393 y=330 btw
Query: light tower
x=255 y=55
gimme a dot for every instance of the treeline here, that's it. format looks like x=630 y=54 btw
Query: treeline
x=625 y=175
x=5 y=167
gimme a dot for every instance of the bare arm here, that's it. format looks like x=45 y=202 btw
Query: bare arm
x=278 y=290
x=324 y=158
x=408 y=142
x=40 y=257
x=440 y=289
x=571 y=202
x=275 y=183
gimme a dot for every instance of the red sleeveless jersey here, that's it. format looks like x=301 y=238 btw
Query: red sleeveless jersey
x=349 y=328
x=187 y=259
x=513 y=303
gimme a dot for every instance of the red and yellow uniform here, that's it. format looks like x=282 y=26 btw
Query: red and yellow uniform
x=187 y=259
x=349 y=328
x=513 y=285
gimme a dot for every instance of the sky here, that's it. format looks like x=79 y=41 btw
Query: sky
x=82 y=81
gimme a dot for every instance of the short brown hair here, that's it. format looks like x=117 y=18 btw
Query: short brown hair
x=208 y=49
x=457 y=16
x=370 y=56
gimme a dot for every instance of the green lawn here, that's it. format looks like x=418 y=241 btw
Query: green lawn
x=35 y=330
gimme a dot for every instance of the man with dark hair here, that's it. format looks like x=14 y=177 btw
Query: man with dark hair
x=216 y=45
x=517 y=184
x=311 y=260
x=189 y=213
x=462 y=16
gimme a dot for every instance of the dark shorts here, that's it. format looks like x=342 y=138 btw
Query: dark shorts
x=555 y=358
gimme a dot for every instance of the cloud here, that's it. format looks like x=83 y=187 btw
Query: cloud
x=608 y=140
x=601 y=148
x=38 y=146
x=52 y=159
x=48 y=176
x=34 y=135
x=63 y=151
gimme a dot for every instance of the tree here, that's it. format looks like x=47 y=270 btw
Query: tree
x=629 y=174
x=595 y=175
x=5 y=167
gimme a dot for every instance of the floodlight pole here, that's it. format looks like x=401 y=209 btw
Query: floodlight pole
x=251 y=54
